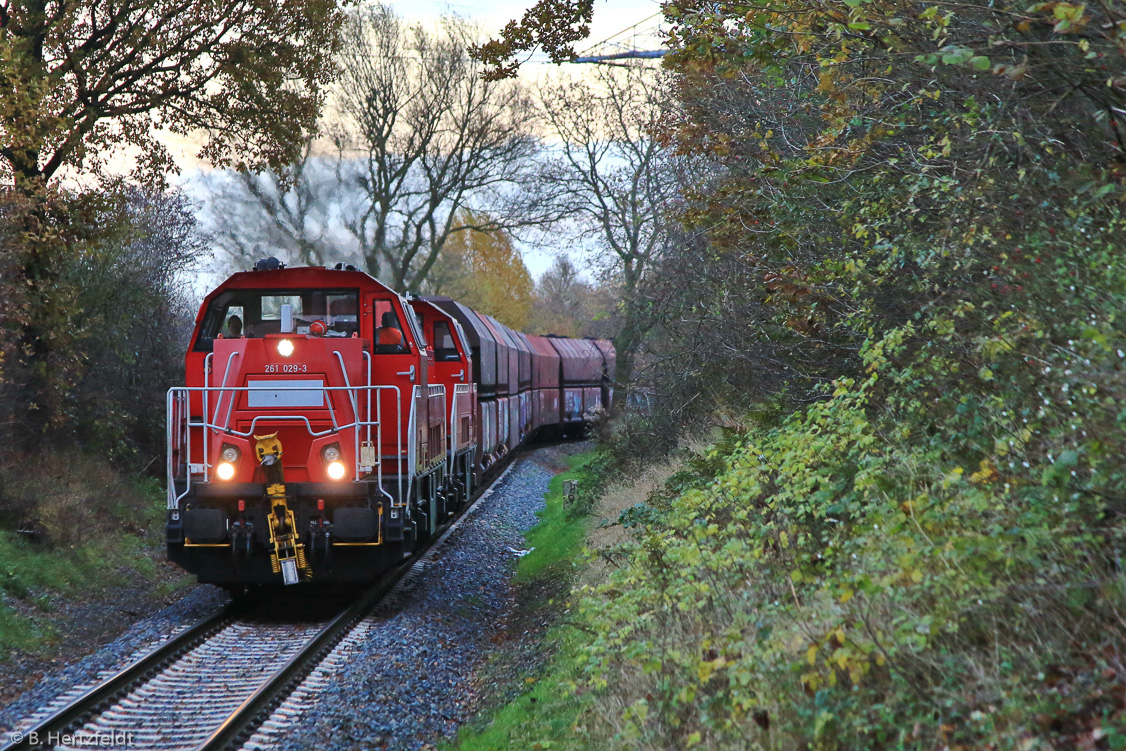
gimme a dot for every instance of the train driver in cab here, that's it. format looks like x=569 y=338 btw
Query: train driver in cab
x=388 y=333
x=234 y=327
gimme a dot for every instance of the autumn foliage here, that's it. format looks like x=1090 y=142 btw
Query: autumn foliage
x=484 y=271
x=901 y=288
x=80 y=81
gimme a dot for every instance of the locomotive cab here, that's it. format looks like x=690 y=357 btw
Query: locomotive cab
x=301 y=445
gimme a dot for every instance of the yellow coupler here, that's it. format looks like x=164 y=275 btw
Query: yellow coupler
x=288 y=557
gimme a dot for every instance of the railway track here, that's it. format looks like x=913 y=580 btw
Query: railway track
x=216 y=684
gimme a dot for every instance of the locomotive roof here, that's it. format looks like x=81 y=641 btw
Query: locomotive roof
x=299 y=277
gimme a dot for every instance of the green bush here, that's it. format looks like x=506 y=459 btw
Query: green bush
x=909 y=236
x=93 y=317
x=929 y=557
x=903 y=262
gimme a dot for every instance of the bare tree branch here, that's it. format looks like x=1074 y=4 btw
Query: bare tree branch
x=614 y=180
x=433 y=138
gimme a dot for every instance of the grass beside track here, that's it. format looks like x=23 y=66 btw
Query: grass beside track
x=96 y=533
x=558 y=537
x=547 y=708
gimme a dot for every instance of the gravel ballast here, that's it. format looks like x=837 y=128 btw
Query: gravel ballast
x=408 y=684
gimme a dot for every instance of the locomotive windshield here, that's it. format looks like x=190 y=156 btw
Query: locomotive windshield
x=256 y=313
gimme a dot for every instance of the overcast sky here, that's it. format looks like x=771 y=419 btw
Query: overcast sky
x=611 y=17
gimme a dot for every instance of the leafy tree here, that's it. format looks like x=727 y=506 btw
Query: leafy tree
x=484 y=271
x=906 y=252
x=869 y=171
x=553 y=25
x=114 y=315
x=565 y=303
x=137 y=317
x=901 y=276
x=79 y=79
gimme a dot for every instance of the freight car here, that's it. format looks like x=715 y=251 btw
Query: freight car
x=329 y=424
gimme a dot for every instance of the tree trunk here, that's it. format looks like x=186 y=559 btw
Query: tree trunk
x=629 y=337
x=36 y=277
x=625 y=347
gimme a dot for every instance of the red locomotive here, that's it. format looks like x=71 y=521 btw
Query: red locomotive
x=329 y=424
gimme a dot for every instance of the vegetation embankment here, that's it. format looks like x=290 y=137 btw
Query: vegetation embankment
x=86 y=355
x=901 y=288
x=529 y=705
x=96 y=539
x=853 y=576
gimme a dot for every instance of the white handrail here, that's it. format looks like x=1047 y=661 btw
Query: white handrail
x=182 y=421
x=355 y=412
x=227 y=372
x=451 y=452
x=412 y=446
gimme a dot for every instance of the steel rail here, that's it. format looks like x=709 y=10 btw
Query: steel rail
x=240 y=726
x=126 y=679
x=250 y=714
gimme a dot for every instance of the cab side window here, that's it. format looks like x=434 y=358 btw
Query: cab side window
x=224 y=317
x=388 y=337
x=444 y=348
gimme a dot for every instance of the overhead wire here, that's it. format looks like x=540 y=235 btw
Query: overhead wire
x=599 y=52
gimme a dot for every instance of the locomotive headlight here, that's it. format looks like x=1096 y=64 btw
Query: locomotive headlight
x=285 y=348
x=336 y=470
x=333 y=460
x=228 y=456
